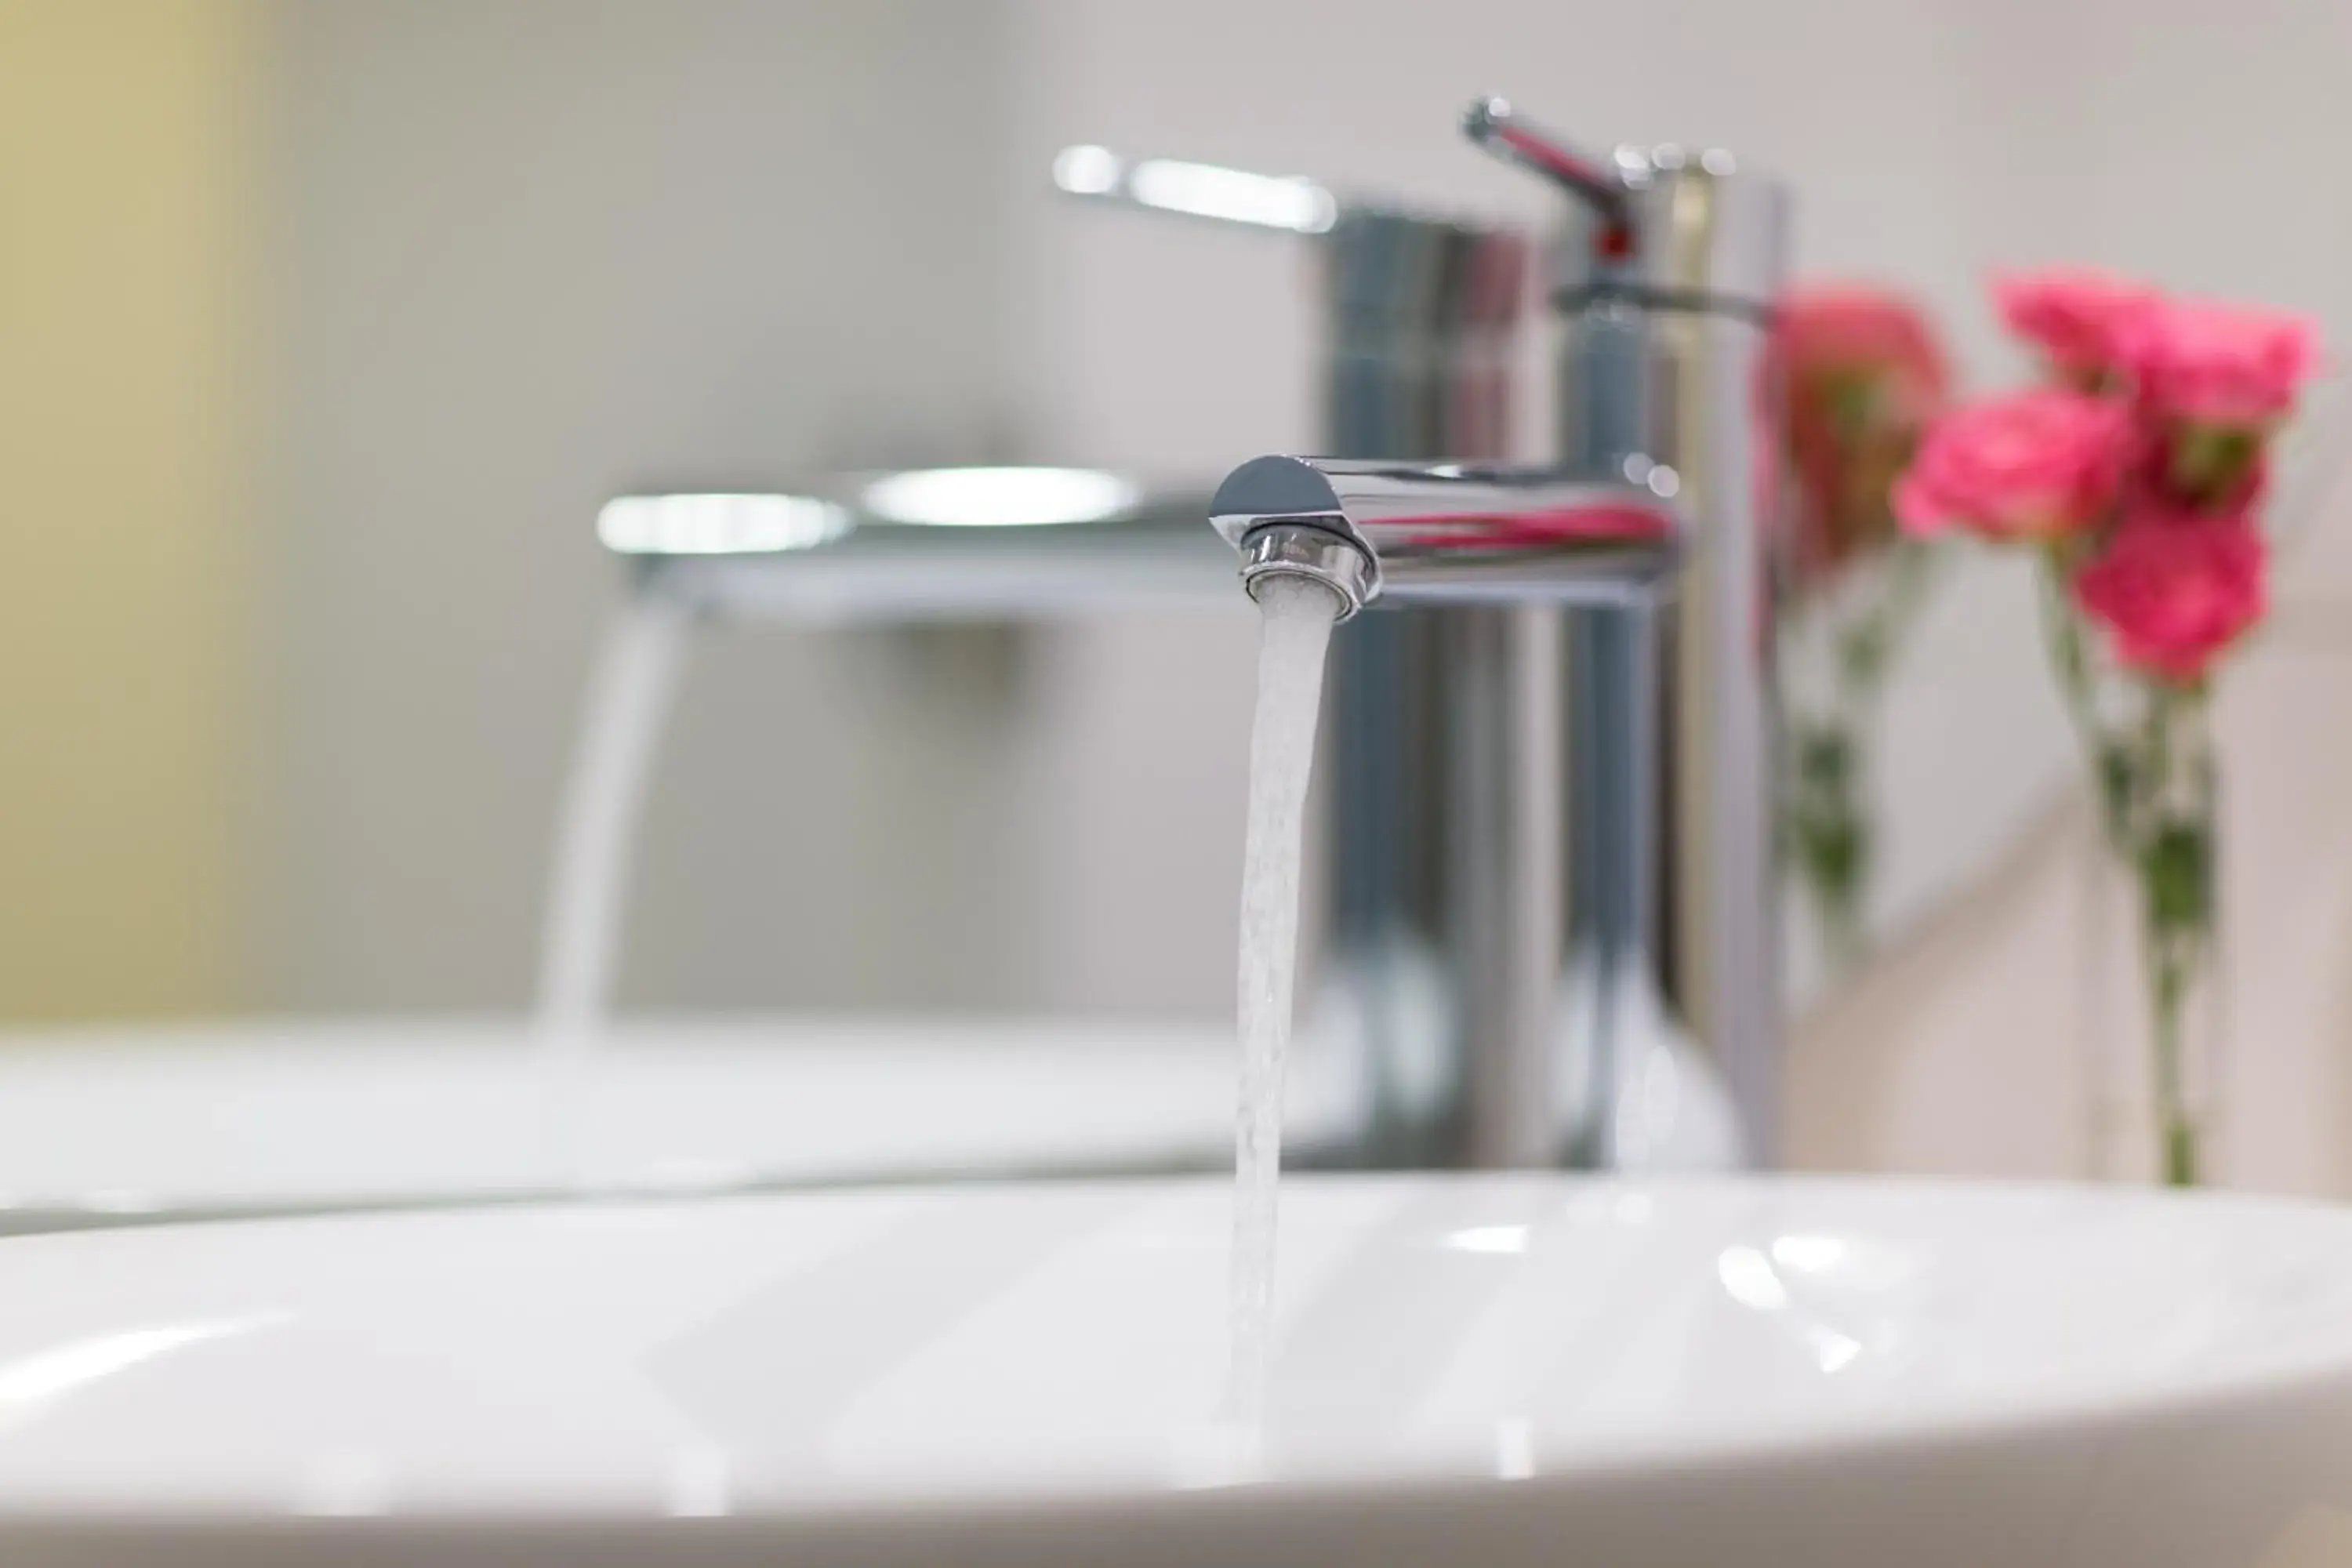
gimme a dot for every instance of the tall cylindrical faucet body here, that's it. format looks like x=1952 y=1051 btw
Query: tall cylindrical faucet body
x=1551 y=793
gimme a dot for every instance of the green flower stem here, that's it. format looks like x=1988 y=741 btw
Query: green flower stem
x=1829 y=833
x=1827 y=823
x=2176 y=874
x=2175 y=862
x=2156 y=814
x=2063 y=628
x=2180 y=1131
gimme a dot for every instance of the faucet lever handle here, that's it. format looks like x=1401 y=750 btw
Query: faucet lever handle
x=1501 y=129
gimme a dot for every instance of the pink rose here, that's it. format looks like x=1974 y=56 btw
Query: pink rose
x=2087 y=323
x=1851 y=329
x=2174 y=589
x=1862 y=375
x=2034 y=465
x=2207 y=364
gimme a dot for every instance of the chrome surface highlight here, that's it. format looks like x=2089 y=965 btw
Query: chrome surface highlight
x=1285 y=201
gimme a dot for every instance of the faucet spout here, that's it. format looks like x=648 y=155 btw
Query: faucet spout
x=1301 y=547
x=1434 y=532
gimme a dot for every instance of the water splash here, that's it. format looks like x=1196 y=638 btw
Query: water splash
x=1298 y=613
x=629 y=698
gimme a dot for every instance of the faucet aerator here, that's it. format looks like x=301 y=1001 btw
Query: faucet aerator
x=1295 y=548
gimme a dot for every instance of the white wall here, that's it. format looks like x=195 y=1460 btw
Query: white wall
x=531 y=251
x=528 y=252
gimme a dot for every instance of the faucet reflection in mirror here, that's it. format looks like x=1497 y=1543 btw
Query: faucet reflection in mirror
x=2138 y=474
x=1551 y=798
x=1861 y=375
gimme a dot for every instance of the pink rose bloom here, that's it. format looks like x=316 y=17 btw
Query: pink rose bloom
x=2088 y=324
x=1862 y=375
x=2173 y=590
x=2208 y=364
x=1852 y=329
x=2032 y=466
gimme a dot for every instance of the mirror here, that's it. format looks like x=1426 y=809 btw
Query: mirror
x=327 y=330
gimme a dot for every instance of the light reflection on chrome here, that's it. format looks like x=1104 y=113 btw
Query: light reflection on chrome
x=1290 y=203
x=718 y=524
x=1000 y=497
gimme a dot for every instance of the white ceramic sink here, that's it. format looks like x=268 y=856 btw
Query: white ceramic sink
x=1467 y=1371
x=265 y=1113
x=269 y=1114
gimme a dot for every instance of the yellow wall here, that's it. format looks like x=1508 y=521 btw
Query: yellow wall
x=122 y=132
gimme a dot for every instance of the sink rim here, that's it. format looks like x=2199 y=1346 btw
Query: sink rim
x=1668 y=1453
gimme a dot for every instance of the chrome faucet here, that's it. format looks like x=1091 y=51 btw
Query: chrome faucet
x=1548 y=789
x=1499 y=553
x=1601 y=636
